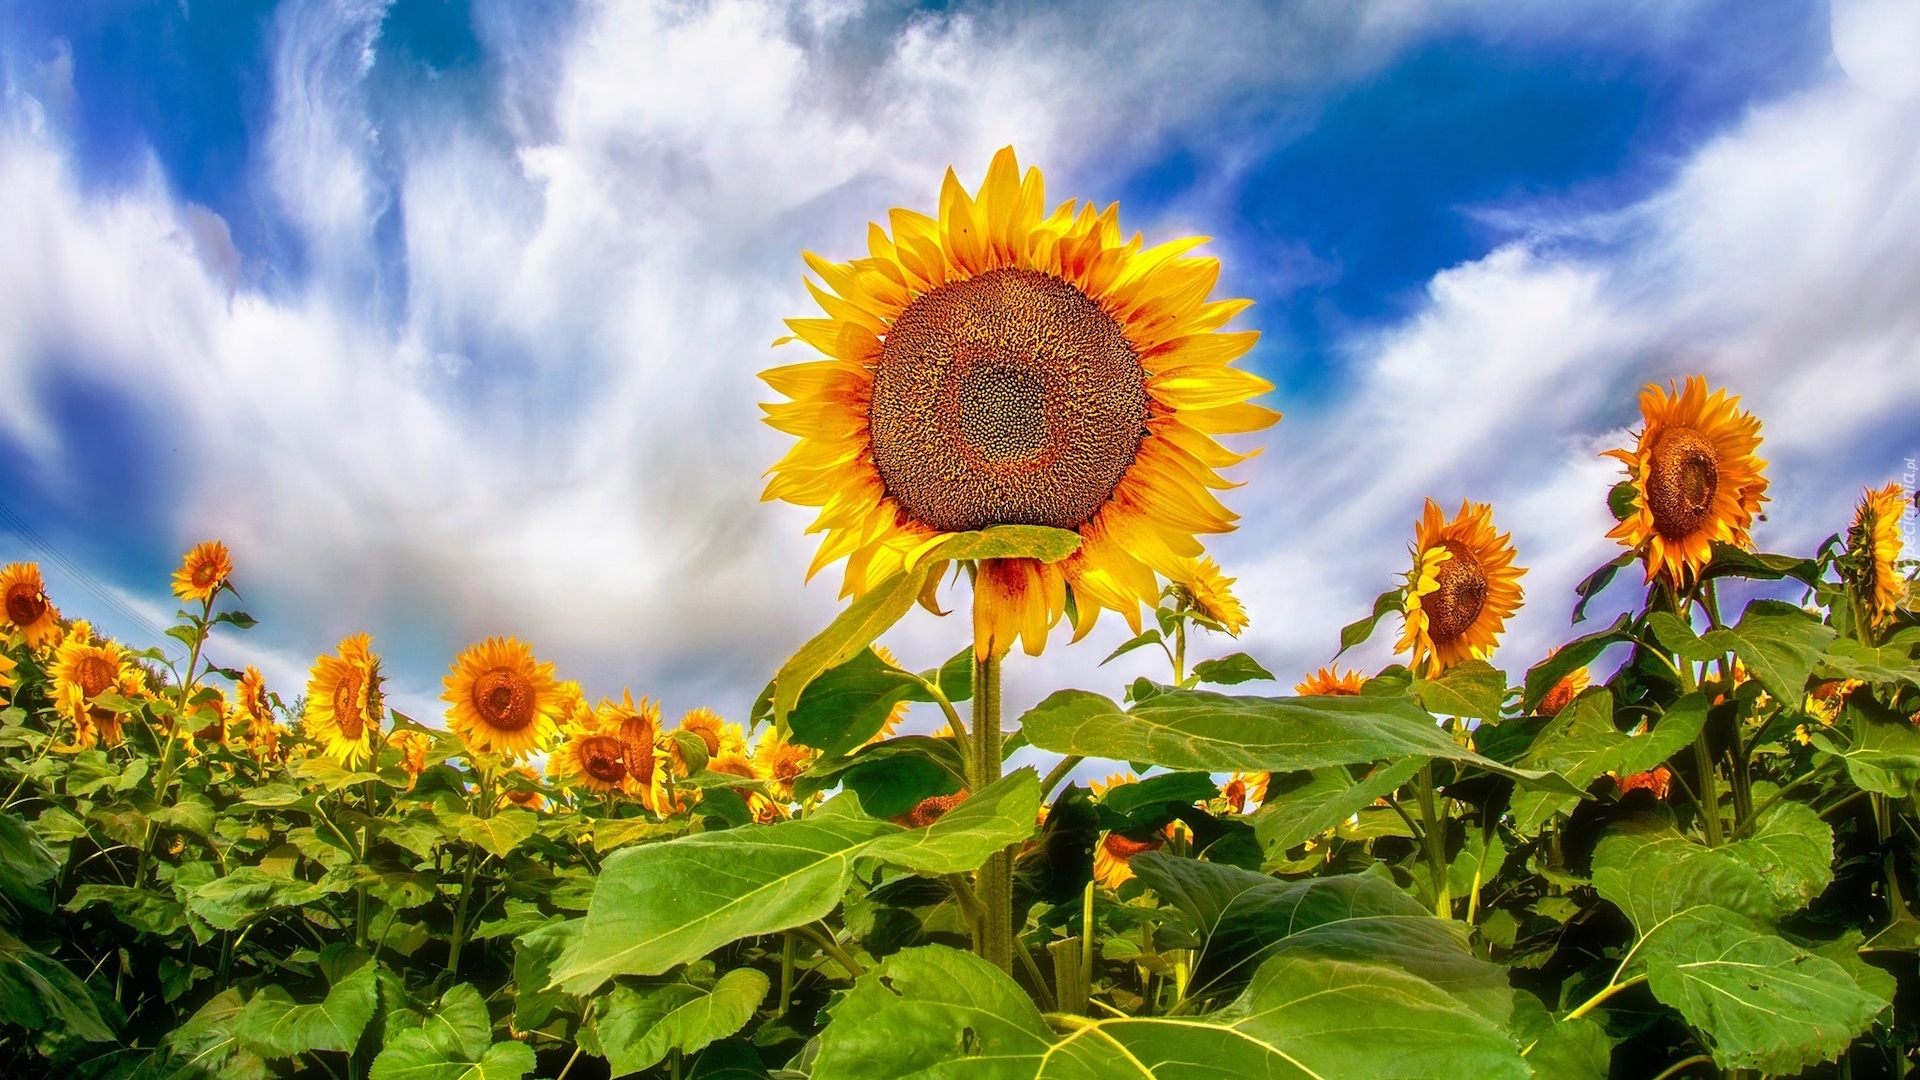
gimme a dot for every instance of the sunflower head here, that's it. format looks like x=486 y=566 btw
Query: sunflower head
x=999 y=364
x=203 y=571
x=412 y=746
x=7 y=664
x=1874 y=545
x=92 y=669
x=1564 y=692
x=1211 y=596
x=26 y=607
x=1657 y=780
x=523 y=789
x=344 y=702
x=1695 y=479
x=1461 y=590
x=1111 y=858
x=779 y=762
x=1331 y=681
x=503 y=701
x=931 y=809
x=721 y=737
x=71 y=706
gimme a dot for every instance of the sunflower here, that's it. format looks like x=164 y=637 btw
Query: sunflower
x=412 y=746
x=1658 y=781
x=1564 y=691
x=203 y=571
x=504 y=701
x=92 y=670
x=721 y=736
x=27 y=608
x=1695 y=479
x=932 y=809
x=525 y=798
x=1114 y=852
x=778 y=762
x=892 y=723
x=1244 y=789
x=1331 y=682
x=70 y=704
x=611 y=748
x=253 y=709
x=344 y=701
x=999 y=365
x=1213 y=599
x=1874 y=545
x=7 y=664
x=1462 y=588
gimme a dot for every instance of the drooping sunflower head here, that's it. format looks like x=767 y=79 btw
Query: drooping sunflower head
x=27 y=608
x=1111 y=858
x=344 y=701
x=1874 y=545
x=1695 y=479
x=1212 y=597
x=1461 y=590
x=70 y=704
x=1331 y=681
x=202 y=571
x=503 y=701
x=1000 y=364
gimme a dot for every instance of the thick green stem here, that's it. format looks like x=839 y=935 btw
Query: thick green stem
x=1709 y=793
x=993 y=883
x=460 y=918
x=1059 y=773
x=786 y=973
x=1436 y=843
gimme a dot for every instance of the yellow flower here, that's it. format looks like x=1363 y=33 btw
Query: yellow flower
x=91 y=669
x=255 y=712
x=344 y=701
x=892 y=723
x=612 y=747
x=1331 y=682
x=1462 y=588
x=1213 y=599
x=70 y=702
x=1565 y=690
x=1111 y=857
x=504 y=701
x=522 y=797
x=998 y=365
x=1695 y=479
x=202 y=571
x=1874 y=543
x=1824 y=701
x=721 y=737
x=1244 y=789
x=412 y=746
x=27 y=608
x=779 y=762
x=7 y=664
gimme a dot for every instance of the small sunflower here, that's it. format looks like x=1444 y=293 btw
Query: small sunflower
x=7 y=664
x=932 y=809
x=721 y=736
x=1564 y=691
x=412 y=747
x=1462 y=588
x=779 y=762
x=1244 y=789
x=892 y=723
x=254 y=710
x=344 y=701
x=91 y=669
x=203 y=571
x=1000 y=365
x=1658 y=781
x=1874 y=544
x=26 y=605
x=70 y=704
x=1331 y=682
x=526 y=798
x=611 y=748
x=1114 y=852
x=1213 y=598
x=1695 y=479
x=504 y=701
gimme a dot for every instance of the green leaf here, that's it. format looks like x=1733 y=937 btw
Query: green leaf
x=26 y=866
x=534 y=955
x=497 y=835
x=38 y=993
x=1653 y=874
x=846 y=705
x=890 y=777
x=461 y=1021
x=664 y=904
x=1575 y=654
x=1470 y=688
x=639 y=1027
x=1199 y=729
x=1792 y=850
x=1764 y=1002
x=273 y=1026
x=1881 y=747
x=1730 y=561
x=1576 y=1049
x=1295 y=813
x=1623 y=499
x=1229 y=670
x=1149 y=636
x=1184 y=788
x=1891 y=663
x=1582 y=744
x=1777 y=641
x=1595 y=583
x=413 y=1055
x=871 y=614
x=1356 y=632
x=935 y=1011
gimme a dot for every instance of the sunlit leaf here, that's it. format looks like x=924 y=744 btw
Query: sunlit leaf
x=637 y=1027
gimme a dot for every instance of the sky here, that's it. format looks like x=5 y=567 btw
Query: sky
x=445 y=315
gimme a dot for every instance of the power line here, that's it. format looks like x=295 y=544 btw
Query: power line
x=51 y=554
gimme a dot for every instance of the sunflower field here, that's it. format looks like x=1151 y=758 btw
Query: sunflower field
x=1693 y=860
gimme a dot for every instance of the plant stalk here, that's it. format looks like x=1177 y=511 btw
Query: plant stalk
x=993 y=883
x=1436 y=843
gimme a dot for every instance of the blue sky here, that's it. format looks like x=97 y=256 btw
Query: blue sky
x=445 y=314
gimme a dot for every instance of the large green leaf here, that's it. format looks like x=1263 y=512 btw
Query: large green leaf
x=637 y=1027
x=935 y=1011
x=871 y=614
x=1575 y=654
x=1472 y=688
x=1779 y=643
x=1792 y=850
x=1361 y=629
x=497 y=835
x=26 y=866
x=847 y=704
x=413 y=1055
x=1892 y=662
x=1765 y=1002
x=1293 y=814
x=664 y=904
x=1582 y=744
x=1229 y=670
x=273 y=1026
x=1653 y=874
x=890 y=777
x=38 y=993
x=1199 y=729
x=534 y=954
x=1881 y=747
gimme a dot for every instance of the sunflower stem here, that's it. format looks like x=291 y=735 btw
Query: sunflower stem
x=993 y=883
x=1058 y=773
x=1436 y=843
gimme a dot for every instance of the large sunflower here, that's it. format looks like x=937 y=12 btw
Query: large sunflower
x=504 y=701
x=1000 y=365
x=1874 y=545
x=1695 y=479
x=82 y=671
x=344 y=701
x=202 y=571
x=1462 y=588
x=27 y=608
